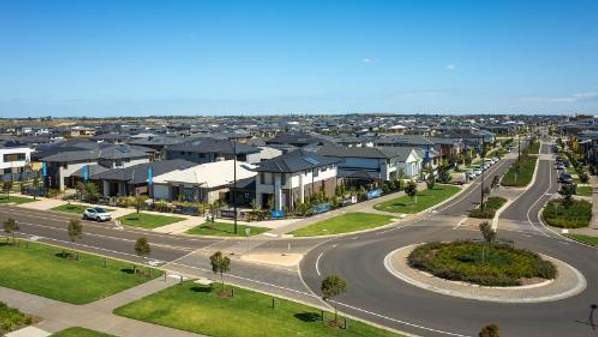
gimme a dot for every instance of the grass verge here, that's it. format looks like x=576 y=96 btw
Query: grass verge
x=577 y=214
x=15 y=199
x=345 y=223
x=201 y=310
x=79 y=332
x=490 y=207
x=12 y=319
x=42 y=270
x=147 y=220
x=74 y=209
x=520 y=177
x=425 y=199
x=225 y=229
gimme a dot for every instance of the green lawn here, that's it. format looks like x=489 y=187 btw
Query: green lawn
x=425 y=199
x=14 y=199
x=147 y=220
x=589 y=240
x=576 y=215
x=584 y=191
x=199 y=309
x=492 y=204
x=40 y=269
x=74 y=208
x=534 y=148
x=12 y=319
x=345 y=223
x=523 y=176
x=225 y=229
x=79 y=332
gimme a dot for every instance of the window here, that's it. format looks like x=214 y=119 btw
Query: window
x=316 y=172
x=283 y=179
x=14 y=157
x=262 y=178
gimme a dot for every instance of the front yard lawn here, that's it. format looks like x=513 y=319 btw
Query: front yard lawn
x=523 y=176
x=201 y=310
x=40 y=269
x=147 y=220
x=12 y=319
x=79 y=332
x=74 y=208
x=345 y=223
x=14 y=199
x=576 y=215
x=587 y=239
x=225 y=229
x=425 y=199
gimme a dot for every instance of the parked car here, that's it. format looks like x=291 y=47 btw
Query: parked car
x=565 y=178
x=97 y=214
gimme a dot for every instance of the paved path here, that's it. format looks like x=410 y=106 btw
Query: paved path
x=97 y=316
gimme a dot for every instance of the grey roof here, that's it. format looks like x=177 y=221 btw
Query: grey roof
x=108 y=152
x=295 y=161
x=137 y=174
x=93 y=170
x=405 y=140
x=383 y=152
x=211 y=145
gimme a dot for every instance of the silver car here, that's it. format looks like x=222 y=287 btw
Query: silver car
x=97 y=214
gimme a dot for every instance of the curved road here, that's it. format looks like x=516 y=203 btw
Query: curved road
x=377 y=295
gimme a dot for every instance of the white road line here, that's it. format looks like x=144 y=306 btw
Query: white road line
x=318 y=263
x=460 y=223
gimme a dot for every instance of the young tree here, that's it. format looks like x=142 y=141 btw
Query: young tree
x=10 y=227
x=80 y=187
x=220 y=265
x=91 y=192
x=35 y=184
x=567 y=192
x=75 y=231
x=400 y=177
x=411 y=189
x=333 y=286
x=444 y=175
x=488 y=233
x=7 y=186
x=142 y=249
x=430 y=179
x=490 y=330
x=139 y=202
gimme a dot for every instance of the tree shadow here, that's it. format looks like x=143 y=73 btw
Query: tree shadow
x=308 y=317
x=63 y=255
x=128 y=270
x=201 y=289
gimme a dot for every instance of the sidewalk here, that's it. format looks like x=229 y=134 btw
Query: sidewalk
x=97 y=316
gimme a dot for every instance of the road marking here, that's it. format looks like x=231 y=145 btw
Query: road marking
x=317 y=263
x=460 y=223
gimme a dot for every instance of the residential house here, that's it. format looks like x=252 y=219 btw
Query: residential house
x=206 y=150
x=14 y=158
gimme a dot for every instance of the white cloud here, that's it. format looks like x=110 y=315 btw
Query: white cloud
x=368 y=60
x=450 y=67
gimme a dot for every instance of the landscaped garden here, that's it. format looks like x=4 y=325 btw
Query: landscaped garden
x=4 y=199
x=201 y=309
x=79 y=332
x=491 y=205
x=521 y=173
x=568 y=214
x=74 y=208
x=423 y=200
x=148 y=220
x=54 y=273
x=481 y=263
x=225 y=229
x=349 y=222
x=12 y=319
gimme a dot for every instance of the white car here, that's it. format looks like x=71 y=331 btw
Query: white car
x=97 y=214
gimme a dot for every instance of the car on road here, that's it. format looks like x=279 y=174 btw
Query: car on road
x=97 y=214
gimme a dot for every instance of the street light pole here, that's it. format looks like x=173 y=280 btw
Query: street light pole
x=235 y=182
x=482 y=181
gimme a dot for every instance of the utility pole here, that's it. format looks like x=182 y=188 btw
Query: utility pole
x=235 y=182
x=483 y=153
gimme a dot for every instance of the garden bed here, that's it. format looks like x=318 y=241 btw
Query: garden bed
x=12 y=319
x=481 y=263
x=558 y=214
x=490 y=208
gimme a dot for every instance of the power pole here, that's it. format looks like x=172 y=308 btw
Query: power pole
x=235 y=182
x=483 y=153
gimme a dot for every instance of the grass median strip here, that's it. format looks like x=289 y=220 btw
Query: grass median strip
x=79 y=332
x=587 y=239
x=148 y=220
x=425 y=199
x=41 y=270
x=345 y=223
x=575 y=214
x=74 y=209
x=225 y=229
x=490 y=207
x=201 y=310
x=14 y=199
x=521 y=173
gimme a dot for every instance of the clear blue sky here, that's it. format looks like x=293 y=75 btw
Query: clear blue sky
x=103 y=58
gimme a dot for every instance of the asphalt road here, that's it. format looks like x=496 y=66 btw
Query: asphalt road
x=376 y=294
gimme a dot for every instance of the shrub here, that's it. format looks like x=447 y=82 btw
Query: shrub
x=576 y=214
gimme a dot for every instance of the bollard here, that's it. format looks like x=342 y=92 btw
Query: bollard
x=272 y=302
x=322 y=315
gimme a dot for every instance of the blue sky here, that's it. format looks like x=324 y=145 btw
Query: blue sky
x=105 y=58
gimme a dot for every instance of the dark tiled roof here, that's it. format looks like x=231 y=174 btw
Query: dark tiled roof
x=137 y=174
x=210 y=145
x=295 y=161
x=101 y=151
x=366 y=152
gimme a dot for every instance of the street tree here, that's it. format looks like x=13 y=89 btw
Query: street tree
x=430 y=179
x=411 y=189
x=142 y=249
x=10 y=227
x=7 y=187
x=333 y=286
x=91 y=192
x=75 y=231
x=139 y=201
x=220 y=265
x=487 y=232
x=35 y=184
x=490 y=330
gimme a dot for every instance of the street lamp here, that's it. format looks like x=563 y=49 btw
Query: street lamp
x=235 y=183
x=482 y=181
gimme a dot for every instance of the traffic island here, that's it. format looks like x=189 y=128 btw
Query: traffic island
x=464 y=276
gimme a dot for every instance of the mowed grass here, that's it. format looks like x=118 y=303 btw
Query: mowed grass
x=147 y=220
x=79 y=332
x=199 y=309
x=40 y=269
x=425 y=199
x=225 y=229
x=345 y=223
x=523 y=176
x=4 y=199
x=587 y=239
x=74 y=208
x=584 y=191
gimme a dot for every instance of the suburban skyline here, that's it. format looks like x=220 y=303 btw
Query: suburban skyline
x=149 y=58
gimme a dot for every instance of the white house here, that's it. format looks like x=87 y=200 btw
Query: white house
x=13 y=158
